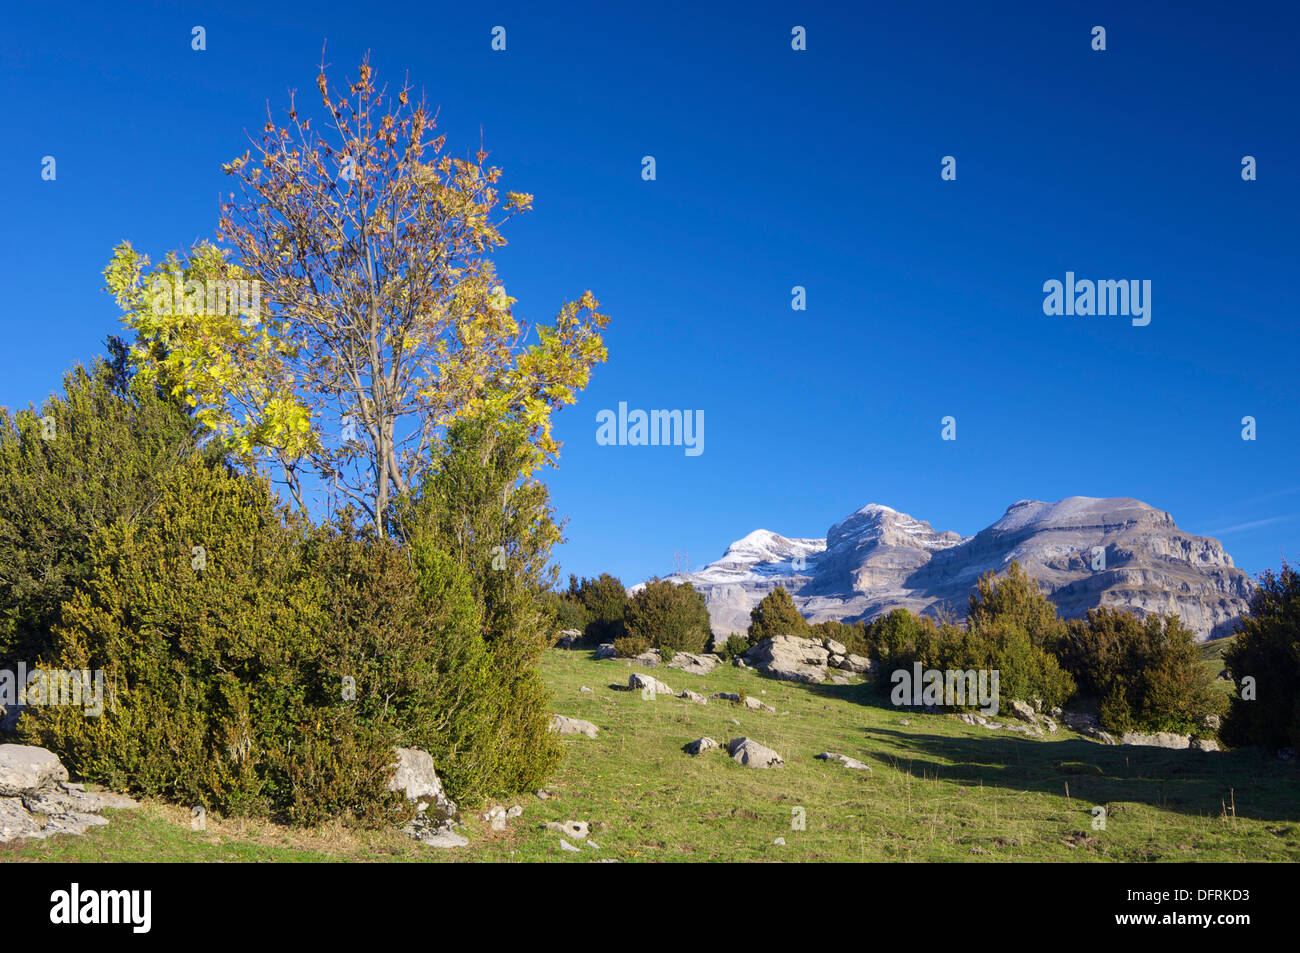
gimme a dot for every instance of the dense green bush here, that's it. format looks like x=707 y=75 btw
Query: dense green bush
x=259 y=665
x=776 y=614
x=671 y=617
x=630 y=646
x=1266 y=648
x=203 y=626
x=605 y=601
x=1142 y=674
x=733 y=646
x=85 y=461
x=569 y=611
x=895 y=634
x=499 y=526
x=1015 y=598
x=1025 y=671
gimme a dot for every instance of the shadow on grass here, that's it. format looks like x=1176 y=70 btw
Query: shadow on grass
x=1246 y=782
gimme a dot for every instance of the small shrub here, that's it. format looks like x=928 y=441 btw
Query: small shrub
x=776 y=614
x=670 y=617
x=735 y=645
x=630 y=646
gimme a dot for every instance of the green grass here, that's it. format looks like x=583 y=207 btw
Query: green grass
x=940 y=790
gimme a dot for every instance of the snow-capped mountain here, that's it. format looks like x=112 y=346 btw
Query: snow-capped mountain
x=879 y=559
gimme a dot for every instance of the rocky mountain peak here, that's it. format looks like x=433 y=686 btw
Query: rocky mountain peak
x=1084 y=551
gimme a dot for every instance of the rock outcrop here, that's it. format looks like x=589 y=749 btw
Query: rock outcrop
x=37 y=800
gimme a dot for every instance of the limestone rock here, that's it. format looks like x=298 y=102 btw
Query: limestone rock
x=578 y=830
x=1160 y=739
x=564 y=725
x=25 y=769
x=790 y=658
x=858 y=664
x=647 y=683
x=750 y=753
x=1024 y=711
x=695 y=697
x=852 y=764
x=415 y=777
x=694 y=664
x=699 y=746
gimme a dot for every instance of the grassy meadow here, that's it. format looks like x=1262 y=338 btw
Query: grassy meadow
x=939 y=790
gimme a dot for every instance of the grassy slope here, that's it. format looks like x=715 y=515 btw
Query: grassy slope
x=939 y=790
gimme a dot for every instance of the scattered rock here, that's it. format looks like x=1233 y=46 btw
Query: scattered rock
x=593 y=845
x=696 y=697
x=515 y=811
x=738 y=662
x=584 y=690
x=779 y=842
x=840 y=680
x=568 y=638
x=750 y=702
x=853 y=764
x=1203 y=744
x=750 y=753
x=637 y=681
x=1160 y=739
x=606 y=650
x=578 y=830
x=564 y=725
x=544 y=794
x=648 y=659
x=694 y=664
x=497 y=817
x=699 y=746
x=565 y=845
x=1024 y=711
x=835 y=648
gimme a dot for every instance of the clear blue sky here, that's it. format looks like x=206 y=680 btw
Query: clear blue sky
x=775 y=168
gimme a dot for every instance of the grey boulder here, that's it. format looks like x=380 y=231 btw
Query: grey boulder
x=751 y=754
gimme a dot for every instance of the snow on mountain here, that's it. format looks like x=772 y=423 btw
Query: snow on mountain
x=878 y=559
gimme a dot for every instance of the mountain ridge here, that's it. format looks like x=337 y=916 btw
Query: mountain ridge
x=1085 y=552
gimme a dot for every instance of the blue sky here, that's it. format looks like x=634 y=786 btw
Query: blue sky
x=775 y=168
